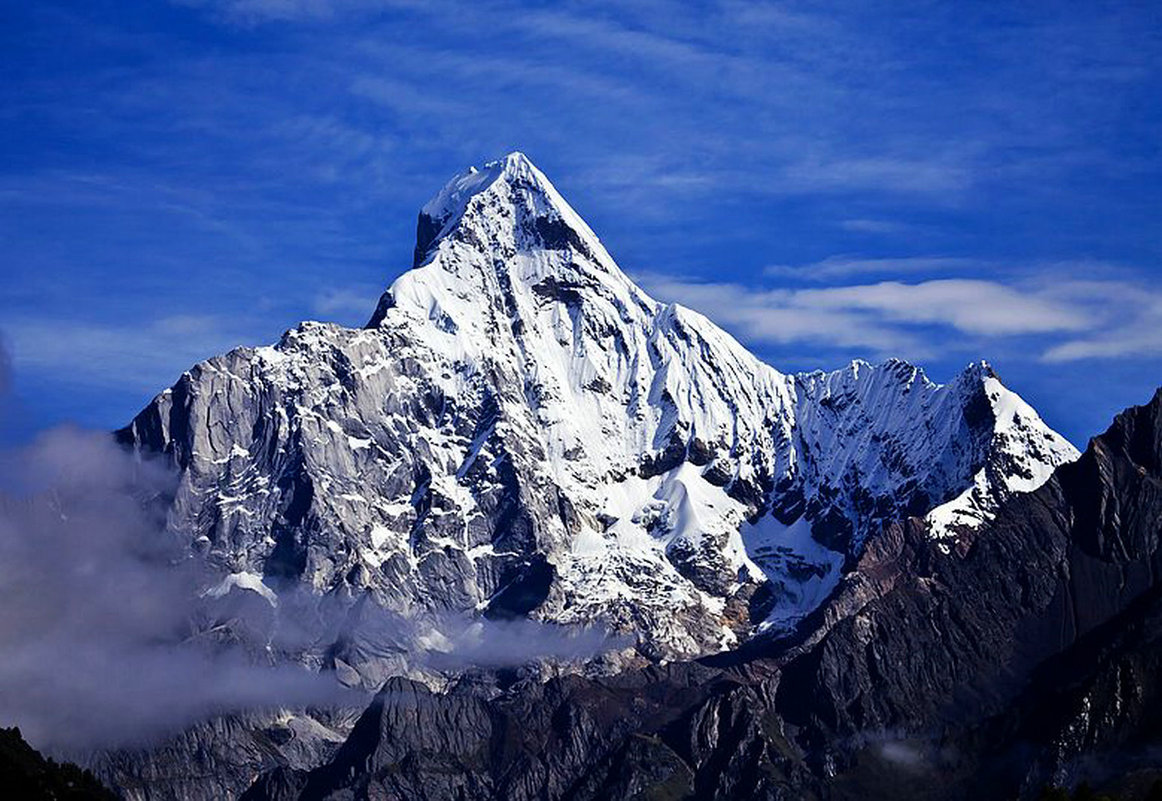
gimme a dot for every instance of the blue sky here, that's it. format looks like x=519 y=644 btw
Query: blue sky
x=938 y=181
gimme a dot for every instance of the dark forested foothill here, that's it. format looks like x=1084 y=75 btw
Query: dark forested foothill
x=28 y=776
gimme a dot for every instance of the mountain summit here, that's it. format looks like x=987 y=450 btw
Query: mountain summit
x=469 y=234
x=521 y=431
x=513 y=186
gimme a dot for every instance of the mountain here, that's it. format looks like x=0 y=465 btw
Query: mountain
x=1030 y=659
x=521 y=431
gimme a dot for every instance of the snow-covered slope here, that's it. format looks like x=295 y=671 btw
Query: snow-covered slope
x=520 y=430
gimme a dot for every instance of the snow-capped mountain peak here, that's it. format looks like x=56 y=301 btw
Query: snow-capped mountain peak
x=520 y=430
x=470 y=234
x=514 y=172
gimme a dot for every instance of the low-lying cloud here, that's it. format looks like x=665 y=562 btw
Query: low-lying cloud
x=484 y=643
x=98 y=606
x=114 y=634
x=144 y=355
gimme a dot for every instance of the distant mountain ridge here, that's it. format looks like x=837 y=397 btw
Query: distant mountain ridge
x=521 y=431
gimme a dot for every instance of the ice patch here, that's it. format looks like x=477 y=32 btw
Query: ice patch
x=802 y=572
x=251 y=582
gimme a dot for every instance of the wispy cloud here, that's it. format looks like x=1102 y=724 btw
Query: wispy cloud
x=143 y=356
x=404 y=97
x=351 y=304
x=839 y=267
x=873 y=226
x=1064 y=320
x=1131 y=321
x=983 y=308
x=934 y=175
x=253 y=12
x=779 y=317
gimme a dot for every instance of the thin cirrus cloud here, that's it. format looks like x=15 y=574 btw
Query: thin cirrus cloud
x=935 y=175
x=1069 y=321
x=799 y=78
x=230 y=159
x=349 y=304
x=144 y=356
x=252 y=12
x=814 y=62
x=866 y=226
x=838 y=267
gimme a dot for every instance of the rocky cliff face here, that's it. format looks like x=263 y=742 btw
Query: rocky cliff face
x=1031 y=656
x=522 y=431
x=219 y=758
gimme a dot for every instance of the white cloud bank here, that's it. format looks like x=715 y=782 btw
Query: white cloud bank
x=1070 y=319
